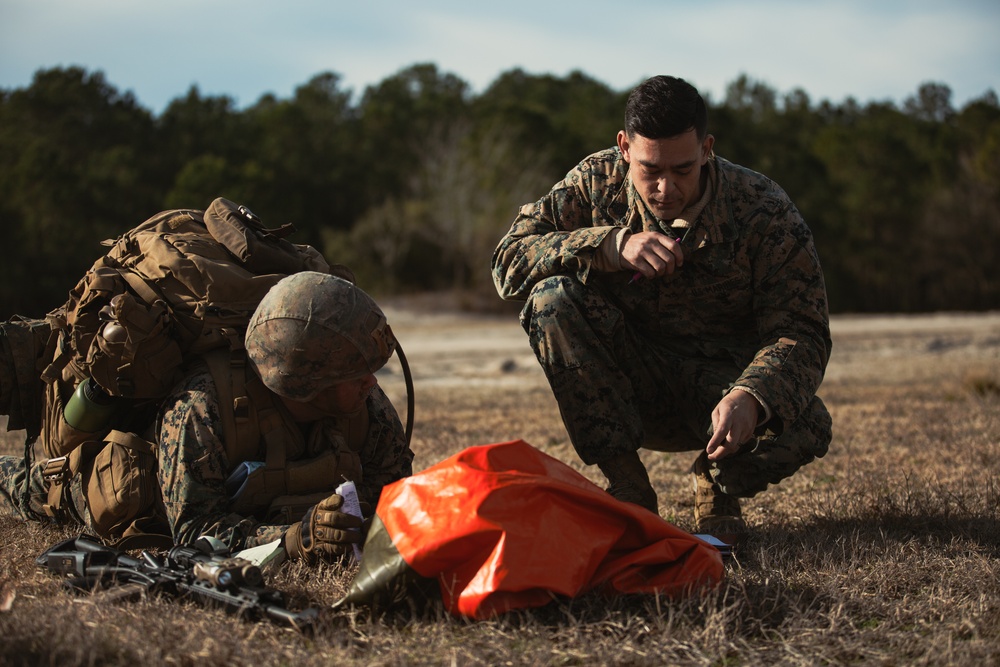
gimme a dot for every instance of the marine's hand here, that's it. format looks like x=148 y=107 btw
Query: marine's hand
x=324 y=532
x=652 y=254
x=733 y=422
x=366 y=520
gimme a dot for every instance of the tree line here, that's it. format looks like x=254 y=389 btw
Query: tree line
x=413 y=182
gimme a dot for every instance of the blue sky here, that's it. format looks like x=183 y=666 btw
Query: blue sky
x=833 y=49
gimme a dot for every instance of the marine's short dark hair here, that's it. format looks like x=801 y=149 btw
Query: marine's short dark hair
x=665 y=106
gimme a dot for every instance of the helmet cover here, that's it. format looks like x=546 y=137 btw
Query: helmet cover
x=313 y=330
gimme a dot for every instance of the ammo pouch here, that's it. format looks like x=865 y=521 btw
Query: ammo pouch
x=120 y=482
x=315 y=479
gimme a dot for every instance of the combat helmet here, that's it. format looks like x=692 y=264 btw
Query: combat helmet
x=313 y=330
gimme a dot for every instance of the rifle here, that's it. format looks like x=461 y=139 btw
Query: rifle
x=204 y=572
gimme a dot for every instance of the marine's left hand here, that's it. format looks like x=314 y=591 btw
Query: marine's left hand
x=325 y=533
x=733 y=422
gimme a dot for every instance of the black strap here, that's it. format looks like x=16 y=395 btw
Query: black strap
x=142 y=541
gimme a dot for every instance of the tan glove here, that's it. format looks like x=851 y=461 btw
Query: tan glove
x=324 y=532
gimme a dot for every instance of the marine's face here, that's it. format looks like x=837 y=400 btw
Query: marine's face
x=343 y=398
x=667 y=172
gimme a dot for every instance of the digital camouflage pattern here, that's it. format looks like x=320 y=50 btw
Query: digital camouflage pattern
x=312 y=330
x=193 y=466
x=644 y=362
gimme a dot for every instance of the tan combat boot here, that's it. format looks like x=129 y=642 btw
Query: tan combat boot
x=629 y=481
x=715 y=513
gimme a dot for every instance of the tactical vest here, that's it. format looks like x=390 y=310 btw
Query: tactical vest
x=298 y=471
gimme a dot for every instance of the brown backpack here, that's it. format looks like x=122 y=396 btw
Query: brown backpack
x=181 y=285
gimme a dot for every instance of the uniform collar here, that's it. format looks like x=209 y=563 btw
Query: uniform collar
x=716 y=224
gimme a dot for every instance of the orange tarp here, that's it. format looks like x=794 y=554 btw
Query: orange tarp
x=505 y=526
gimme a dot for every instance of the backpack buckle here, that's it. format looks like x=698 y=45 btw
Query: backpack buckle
x=56 y=471
x=250 y=215
x=56 y=475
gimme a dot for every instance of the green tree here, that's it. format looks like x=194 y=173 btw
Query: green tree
x=958 y=240
x=74 y=169
x=415 y=183
x=203 y=143
x=566 y=118
x=397 y=118
x=309 y=143
x=462 y=198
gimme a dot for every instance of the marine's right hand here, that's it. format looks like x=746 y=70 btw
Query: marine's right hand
x=652 y=254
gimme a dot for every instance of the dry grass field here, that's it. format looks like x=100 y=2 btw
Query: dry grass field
x=885 y=552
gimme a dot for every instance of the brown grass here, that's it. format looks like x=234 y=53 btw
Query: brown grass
x=884 y=552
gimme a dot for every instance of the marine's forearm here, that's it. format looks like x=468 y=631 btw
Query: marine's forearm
x=530 y=253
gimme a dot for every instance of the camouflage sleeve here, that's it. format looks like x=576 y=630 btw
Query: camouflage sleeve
x=386 y=457
x=792 y=317
x=558 y=234
x=193 y=467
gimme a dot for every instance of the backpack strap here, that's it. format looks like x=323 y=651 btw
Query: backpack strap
x=229 y=370
x=57 y=353
x=275 y=433
x=137 y=541
x=250 y=416
x=57 y=473
x=140 y=286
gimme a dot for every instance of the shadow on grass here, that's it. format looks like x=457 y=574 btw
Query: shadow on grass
x=828 y=538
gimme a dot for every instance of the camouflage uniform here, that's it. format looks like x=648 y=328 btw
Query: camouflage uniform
x=193 y=466
x=644 y=362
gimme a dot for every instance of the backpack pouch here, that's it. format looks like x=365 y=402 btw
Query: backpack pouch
x=121 y=483
x=134 y=355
